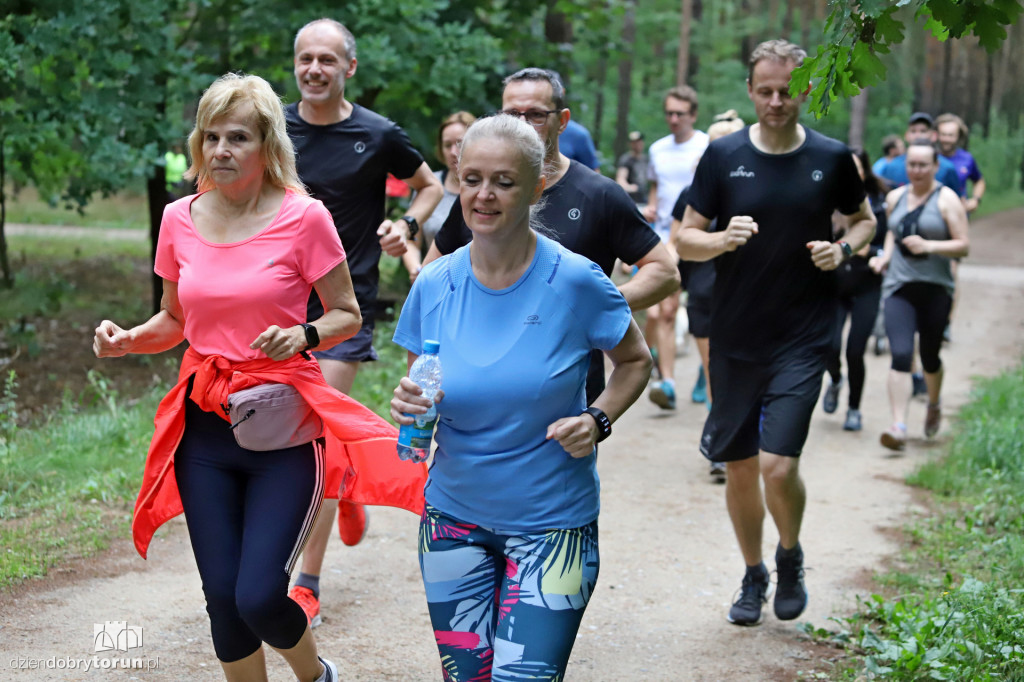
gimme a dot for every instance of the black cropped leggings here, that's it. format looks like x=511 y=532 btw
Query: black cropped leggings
x=248 y=515
x=922 y=308
x=862 y=309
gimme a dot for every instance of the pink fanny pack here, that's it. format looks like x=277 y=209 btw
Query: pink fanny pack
x=272 y=417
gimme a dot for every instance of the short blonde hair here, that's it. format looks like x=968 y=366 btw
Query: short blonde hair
x=725 y=124
x=781 y=51
x=223 y=98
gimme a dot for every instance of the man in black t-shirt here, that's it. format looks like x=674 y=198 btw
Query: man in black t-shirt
x=774 y=186
x=344 y=153
x=586 y=212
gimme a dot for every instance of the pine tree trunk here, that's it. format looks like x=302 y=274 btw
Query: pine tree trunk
x=5 y=265
x=624 y=88
x=683 y=60
x=858 y=119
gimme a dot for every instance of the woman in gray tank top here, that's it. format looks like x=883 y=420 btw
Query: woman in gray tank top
x=927 y=228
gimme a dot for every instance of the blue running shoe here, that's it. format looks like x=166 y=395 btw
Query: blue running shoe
x=700 y=389
x=663 y=394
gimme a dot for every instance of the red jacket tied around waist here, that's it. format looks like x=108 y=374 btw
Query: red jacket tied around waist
x=362 y=466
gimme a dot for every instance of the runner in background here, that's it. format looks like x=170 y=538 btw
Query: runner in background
x=449 y=137
x=700 y=279
x=927 y=229
x=631 y=170
x=860 y=290
x=671 y=164
x=344 y=153
x=774 y=186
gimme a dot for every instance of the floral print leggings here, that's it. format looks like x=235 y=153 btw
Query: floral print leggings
x=505 y=607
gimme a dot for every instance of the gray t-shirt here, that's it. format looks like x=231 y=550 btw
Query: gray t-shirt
x=930 y=268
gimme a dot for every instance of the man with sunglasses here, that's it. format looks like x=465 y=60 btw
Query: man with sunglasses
x=588 y=213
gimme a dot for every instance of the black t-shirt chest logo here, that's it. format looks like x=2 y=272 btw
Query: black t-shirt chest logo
x=741 y=172
x=574 y=214
x=817 y=175
x=359 y=147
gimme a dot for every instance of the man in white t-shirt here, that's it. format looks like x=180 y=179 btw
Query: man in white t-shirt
x=672 y=161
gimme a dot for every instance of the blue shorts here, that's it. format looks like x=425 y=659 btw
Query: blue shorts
x=761 y=405
x=359 y=348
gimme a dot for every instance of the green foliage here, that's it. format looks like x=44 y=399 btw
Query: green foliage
x=856 y=33
x=8 y=410
x=960 y=612
x=82 y=107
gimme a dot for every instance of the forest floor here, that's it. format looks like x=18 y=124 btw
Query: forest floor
x=670 y=565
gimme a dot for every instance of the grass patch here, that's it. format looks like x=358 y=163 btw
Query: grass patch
x=997 y=201
x=46 y=271
x=67 y=484
x=956 y=612
x=126 y=209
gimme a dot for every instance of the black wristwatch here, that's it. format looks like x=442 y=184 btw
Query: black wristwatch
x=312 y=336
x=604 y=424
x=847 y=250
x=414 y=226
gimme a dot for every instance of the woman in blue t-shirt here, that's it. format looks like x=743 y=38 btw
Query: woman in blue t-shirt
x=508 y=541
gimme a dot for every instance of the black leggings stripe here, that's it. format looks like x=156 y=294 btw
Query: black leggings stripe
x=314 y=506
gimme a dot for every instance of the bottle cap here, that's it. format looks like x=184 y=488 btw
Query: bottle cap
x=430 y=346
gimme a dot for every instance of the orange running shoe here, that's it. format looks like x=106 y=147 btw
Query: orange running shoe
x=352 y=522
x=304 y=597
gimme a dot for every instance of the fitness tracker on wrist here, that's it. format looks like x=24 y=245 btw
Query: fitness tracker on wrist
x=847 y=250
x=604 y=424
x=414 y=226
x=312 y=336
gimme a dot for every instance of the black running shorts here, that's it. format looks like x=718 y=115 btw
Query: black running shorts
x=359 y=348
x=761 y=405
x=698 y=316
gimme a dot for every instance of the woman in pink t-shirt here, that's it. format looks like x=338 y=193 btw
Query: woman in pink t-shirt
x=238 y=260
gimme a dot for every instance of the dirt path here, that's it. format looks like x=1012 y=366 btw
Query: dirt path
x=669 y=568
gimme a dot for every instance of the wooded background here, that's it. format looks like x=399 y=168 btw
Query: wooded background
x=92 y=92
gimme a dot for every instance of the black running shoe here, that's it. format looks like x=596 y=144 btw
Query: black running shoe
x=746 y=610
x=830 y=401
x=790 y=594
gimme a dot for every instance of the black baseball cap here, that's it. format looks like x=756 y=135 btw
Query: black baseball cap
x=636 y=135
x=921 y=117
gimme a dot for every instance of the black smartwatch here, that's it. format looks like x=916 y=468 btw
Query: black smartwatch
x=414 y=226
x=604 y=424
x=312 y=336
x=847 y=250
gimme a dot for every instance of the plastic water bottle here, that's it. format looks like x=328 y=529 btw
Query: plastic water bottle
x=414 y=439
